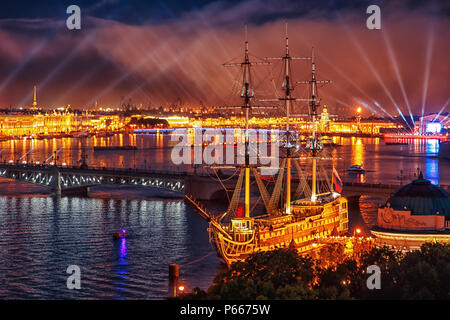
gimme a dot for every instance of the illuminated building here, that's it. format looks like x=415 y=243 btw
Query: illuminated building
x=177 y=122
x=370 y=127
x=432 y=124
x=416 y=213
x=55 y=123
x=62 y=121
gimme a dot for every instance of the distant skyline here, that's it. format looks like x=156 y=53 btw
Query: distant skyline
x=159 y=52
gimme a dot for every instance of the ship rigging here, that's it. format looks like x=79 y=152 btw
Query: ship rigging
x=291 y=223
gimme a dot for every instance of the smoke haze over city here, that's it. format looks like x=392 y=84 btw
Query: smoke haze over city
x=160 y=53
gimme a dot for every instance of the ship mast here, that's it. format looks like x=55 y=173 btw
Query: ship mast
x=314 y=143
x=288 y=88
x=287 y=99
x=247 y=94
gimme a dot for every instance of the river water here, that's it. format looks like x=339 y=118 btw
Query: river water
x=40 y=235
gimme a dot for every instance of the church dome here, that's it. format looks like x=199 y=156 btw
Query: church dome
x=421 y=198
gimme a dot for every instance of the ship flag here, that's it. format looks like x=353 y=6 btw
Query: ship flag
x=337 y=182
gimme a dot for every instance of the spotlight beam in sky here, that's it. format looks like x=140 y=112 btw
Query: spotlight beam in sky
x=161 y=70
x=78 y=84
x=134 y=68
x=84 y=43
x=36 y=49
x=442 y=109
x=397 y=71
x=426 y=76
x=370 y=65
x=352 y=82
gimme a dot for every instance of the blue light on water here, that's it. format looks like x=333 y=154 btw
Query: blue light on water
x=432 y=146
x=123 y=250
x=122 y=270
x=432 y=170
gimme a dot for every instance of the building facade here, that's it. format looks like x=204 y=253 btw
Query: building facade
x=17 y=125
x=432 y=123
x=416 y=213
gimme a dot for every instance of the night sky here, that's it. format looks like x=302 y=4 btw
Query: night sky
x=161 y=52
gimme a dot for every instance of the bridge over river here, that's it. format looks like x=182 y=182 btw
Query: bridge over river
x=200 y=185
x=77 y=180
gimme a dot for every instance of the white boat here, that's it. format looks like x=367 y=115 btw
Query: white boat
x=356 y=169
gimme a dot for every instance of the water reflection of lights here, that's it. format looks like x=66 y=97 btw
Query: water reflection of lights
x=123 y=251
x=357 y=151
x=432 y=170
x=432 y=146
x=122 y=268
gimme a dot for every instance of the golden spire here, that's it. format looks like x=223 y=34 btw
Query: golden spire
x=34 y=98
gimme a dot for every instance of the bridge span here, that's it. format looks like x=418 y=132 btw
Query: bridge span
x=67 y=180
x=200 y=185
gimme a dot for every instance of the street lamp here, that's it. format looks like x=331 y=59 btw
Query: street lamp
x=180 y=289
x=358 y=118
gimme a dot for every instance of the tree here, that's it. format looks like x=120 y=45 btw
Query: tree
x=426 y=272
x=278 y=274
x=284 y=274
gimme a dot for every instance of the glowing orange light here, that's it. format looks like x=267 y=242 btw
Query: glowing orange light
x=181 y=288
x=358 y=230
x=359 y=110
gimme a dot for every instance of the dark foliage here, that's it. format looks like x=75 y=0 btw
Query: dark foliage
x=283 y=274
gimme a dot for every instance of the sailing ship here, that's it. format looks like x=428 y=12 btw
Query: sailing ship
x=299 y=222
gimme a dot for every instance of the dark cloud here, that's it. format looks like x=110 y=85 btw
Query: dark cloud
x=161 y=61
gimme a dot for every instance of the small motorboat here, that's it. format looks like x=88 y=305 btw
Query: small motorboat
x=356 y=169
x=120 y=235
x=397 y=143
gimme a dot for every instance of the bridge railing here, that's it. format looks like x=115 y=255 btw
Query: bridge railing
x=175 y=170
x=171 y=170
x=371 y=185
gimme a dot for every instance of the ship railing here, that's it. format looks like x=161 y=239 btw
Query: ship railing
x=274 y=225
x=304 y=213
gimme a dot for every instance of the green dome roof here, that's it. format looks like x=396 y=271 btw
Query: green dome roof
x=421 y=197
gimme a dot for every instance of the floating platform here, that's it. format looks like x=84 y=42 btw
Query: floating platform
x=398 y=137
x=114 y=148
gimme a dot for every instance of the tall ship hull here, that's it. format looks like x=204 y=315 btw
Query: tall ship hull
x=304 y=229
x=301 y=230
